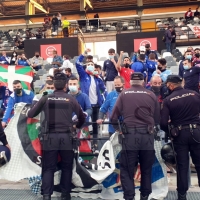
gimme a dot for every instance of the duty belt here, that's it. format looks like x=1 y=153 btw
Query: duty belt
x=188 y=126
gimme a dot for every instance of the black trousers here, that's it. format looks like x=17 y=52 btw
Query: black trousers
x=65 y=32
x=95 y=114
x=183 y=144
x=57 y=144
x=137 y=147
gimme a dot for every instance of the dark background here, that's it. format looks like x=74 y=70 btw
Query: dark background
x=125 y=40
x=69 y=46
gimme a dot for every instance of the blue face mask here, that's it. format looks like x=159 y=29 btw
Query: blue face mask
x=189 y=57
x=186 y=67
x=73 y=88
x=90 y=68
x=111 y=56
x=49 y=91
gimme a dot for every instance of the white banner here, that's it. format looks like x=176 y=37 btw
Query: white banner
x=103 y=178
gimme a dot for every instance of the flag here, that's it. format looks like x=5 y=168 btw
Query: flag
x=9 y=73
x=101 y=179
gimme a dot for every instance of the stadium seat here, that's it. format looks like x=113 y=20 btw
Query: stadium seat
x=165 y=54
x=169 y=58
x=174 y=70
x=175 y=50
x=44 y=77
x=103 y=59
x=179 y=58
x=171 y=63
x=41 y=72
x=36 y=77
x=47 y=67
x=130 y=27
x=183 y=37
x=164 y=50
x=37 y=85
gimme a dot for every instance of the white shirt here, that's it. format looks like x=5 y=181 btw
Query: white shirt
x=93 y=91
x=67 y=64
x=188 y=14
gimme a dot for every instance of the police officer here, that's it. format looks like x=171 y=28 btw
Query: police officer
x=138 y=139
x=57 y=138
x=182 y=108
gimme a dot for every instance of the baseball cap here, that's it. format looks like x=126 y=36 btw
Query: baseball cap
x=142 y=48
x=174 y=79
x=137 y=76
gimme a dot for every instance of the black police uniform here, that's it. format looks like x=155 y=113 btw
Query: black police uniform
x=58 y=108
x=138 y=118
x=182 y=106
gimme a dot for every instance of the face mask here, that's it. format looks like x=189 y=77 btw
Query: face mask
x=14 y=54
x=126 y=65
x=73 y=88
x=17 y=90
x=37 y=56
x=90 y=68
x=156 y=89
x=111 y=56
x=49 y=91
x=119 y=89
x=189 y=57
x=96 y=72
x=186 y=67
x=159 y=68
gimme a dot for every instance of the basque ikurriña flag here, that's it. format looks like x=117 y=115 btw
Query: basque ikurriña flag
x=9 y=73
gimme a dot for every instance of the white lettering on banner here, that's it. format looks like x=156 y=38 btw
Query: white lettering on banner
x=128 y=92
x=11 y=76
x=39 y=158
x=184 y=95
x=195 y=29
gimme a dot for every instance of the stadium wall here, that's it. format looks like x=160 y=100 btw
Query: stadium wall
x=67 y=46
x=126 y=41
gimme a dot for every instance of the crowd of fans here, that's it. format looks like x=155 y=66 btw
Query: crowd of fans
x=97 y=81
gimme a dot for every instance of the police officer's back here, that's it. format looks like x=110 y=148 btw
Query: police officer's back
x=140 y=110
x=58 y=108
x=182 y=108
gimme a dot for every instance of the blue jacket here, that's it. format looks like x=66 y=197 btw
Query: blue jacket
x=151 y=67
x=84 y=102
x=181 y=69
x=163 y=74
x=27 y=97
x=108 y=106
x=139 y=67
x=4 y=60
x=85 y=81
x=22 y=62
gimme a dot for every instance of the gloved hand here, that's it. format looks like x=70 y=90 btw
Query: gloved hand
x=75 y=118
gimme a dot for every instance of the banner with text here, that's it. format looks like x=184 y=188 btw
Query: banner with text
x=141 y=42
x=47 y=50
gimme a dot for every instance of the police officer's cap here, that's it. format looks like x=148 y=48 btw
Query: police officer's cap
x=174 y=79
x=137 y=76
x=59 y=76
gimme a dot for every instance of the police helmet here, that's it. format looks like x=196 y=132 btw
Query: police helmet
x=167 y=154
x=4 y=155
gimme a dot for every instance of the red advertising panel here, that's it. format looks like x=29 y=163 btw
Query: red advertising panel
x=141 y=42
x=47 y=50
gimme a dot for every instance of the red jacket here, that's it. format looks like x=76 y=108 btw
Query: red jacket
x=190 y=14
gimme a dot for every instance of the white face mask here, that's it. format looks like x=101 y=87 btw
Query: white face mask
x=90 y=68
